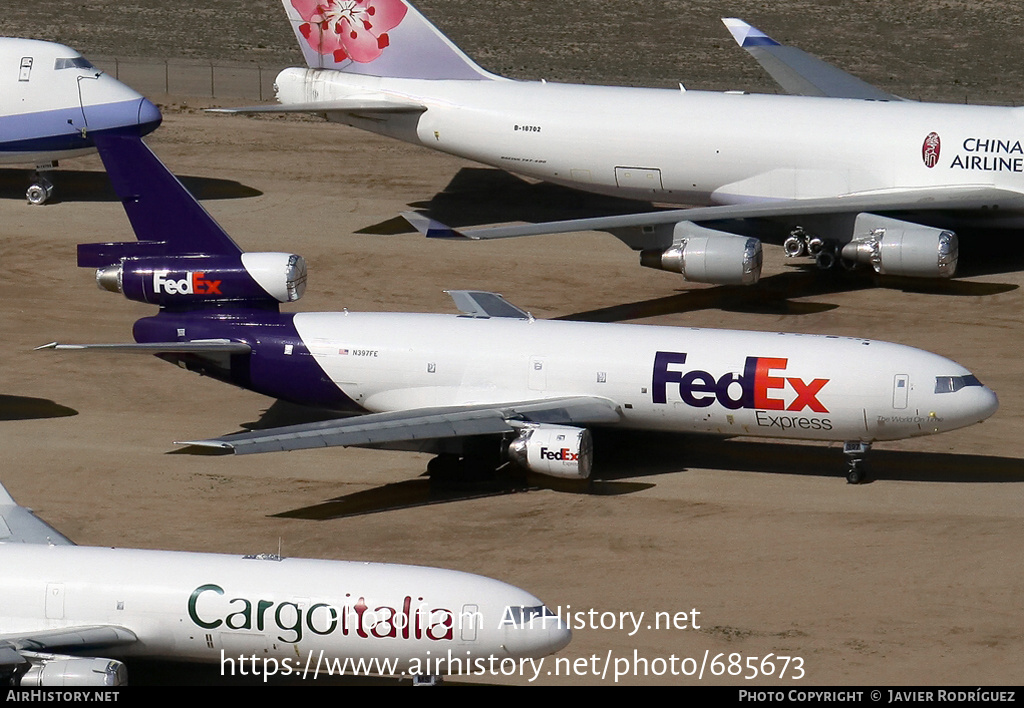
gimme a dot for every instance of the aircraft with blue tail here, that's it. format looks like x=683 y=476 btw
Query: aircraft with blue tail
x=492 y=384
x=53 y=102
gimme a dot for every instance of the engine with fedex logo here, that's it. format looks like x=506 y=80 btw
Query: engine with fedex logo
x=193 y=280
x=555 y=450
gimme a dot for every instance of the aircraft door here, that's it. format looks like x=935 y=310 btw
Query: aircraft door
x=900 y=391
x=469 y=622
x=647 y=179
x=87 y=88
x=25 y=73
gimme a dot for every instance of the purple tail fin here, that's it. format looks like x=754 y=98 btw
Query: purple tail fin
x=166 y=218
x=377 y=38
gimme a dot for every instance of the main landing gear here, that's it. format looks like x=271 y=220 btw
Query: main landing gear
x=855 y=452
x=41 y=189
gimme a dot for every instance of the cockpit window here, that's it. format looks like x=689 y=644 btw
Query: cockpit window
x=949 y=384
x=72 y=63
x=523 y=616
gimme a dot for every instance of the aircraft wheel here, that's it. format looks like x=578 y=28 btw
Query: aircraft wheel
x=855 y=474
x=39 y=192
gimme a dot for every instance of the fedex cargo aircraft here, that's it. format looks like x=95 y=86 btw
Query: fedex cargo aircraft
x=66 y=608
x=857 y=176
x=52 y=103
x=493 y=383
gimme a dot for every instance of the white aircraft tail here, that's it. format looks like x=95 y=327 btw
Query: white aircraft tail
x=377 y=38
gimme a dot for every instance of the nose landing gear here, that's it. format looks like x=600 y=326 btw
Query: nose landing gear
x=855 y=451
x=41 y=189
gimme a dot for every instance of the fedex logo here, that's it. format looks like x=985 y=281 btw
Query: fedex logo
x=194 y=283
x=760 y=386
x=565 y=454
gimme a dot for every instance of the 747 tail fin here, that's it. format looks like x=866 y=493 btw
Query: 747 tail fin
x=377 y=38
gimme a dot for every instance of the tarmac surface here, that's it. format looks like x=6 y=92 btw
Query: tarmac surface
x=913 y=578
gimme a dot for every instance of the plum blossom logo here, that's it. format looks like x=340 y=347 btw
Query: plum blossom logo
x=930 y=149
x=349 y=29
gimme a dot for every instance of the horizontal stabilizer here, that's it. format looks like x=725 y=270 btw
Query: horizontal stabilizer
x=478 y=303
x=431 y=228
x=799 y=73
x=19 y=525
x=929 y=198
x=208 y=346
x=345 y=105
x=422 y=424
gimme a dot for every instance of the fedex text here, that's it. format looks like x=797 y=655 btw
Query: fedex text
x=194 y=283
x=762 y=385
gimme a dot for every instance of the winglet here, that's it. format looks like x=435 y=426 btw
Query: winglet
x=430 y=228
x=747 y=35
x=799 y=73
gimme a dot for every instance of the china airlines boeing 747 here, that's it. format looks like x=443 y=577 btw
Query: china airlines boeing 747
x=856 y=175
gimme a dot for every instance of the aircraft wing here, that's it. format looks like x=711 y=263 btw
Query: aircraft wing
x=353 y=104
x=58 y=640
x=799 y=73
x=480 y=303
x=207 y=346
x=19 y=525
x=420 y=424
x=960 y=197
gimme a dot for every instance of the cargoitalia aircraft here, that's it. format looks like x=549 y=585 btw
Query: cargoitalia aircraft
x=857 y=175
x=64 y=605
x=493 y=383
x=52 y=103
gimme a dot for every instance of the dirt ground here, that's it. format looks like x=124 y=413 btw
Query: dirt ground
x=912 y=579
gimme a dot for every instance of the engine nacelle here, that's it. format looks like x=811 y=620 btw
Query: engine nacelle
x=894 y=247
x=189 y=280
x=705 y=255
x=61 y=670
x=555 y=450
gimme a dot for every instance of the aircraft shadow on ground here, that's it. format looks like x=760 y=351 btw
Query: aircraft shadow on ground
x=28 y=408
x=622 y=456
x=777 y=294
x=626 y=454
x=481 y=196
x=80 y=186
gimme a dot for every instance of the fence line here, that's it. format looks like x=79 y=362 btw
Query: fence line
x=153 y=77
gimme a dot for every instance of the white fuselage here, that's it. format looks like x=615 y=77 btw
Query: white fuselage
x=51 y=99
x=205 y=607
x=687 y=146
x=667 y=378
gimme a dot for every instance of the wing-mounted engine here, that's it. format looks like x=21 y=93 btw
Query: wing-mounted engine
x=180 y=281
x=63 y=670
x=555 y=450
x=890 y=246
x=704 y=255
x=894 y=247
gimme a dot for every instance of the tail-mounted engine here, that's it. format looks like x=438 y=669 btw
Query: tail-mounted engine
x=555 y=450
x=171 y=281
x=705 y=255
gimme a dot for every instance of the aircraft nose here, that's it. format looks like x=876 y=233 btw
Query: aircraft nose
x=985 y=403
x=537 y=637
x=149 y=117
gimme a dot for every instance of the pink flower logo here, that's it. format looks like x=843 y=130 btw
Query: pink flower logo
x=349 y=29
